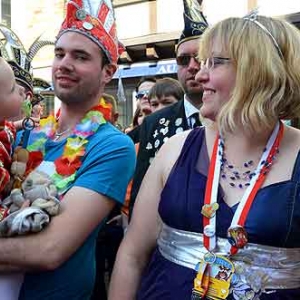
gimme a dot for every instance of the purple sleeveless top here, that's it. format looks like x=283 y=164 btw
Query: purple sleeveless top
x=274 y=220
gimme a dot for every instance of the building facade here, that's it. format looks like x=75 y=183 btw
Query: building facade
x=149 y=29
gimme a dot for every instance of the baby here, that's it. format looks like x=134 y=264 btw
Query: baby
x=11 y=97
x=16 y=217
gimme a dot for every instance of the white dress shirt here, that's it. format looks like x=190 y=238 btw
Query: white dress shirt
x=190 y=110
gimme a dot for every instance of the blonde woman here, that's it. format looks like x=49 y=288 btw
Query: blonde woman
x=218 y=213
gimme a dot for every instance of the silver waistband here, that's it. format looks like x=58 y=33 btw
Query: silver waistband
x=261 y=267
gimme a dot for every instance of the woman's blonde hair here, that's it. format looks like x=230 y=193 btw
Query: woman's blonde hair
x=267 y=85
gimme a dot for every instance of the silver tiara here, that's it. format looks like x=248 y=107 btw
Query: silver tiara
x=253 y=18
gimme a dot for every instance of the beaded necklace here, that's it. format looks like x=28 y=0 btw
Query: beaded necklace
x=237 y=177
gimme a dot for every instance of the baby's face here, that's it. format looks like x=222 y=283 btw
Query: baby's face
x=11 y=94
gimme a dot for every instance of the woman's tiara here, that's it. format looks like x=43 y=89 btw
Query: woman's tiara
x=252 y=16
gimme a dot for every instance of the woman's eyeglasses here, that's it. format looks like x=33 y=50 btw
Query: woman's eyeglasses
x=209 y=63
x=212 y=62
x=142 y=94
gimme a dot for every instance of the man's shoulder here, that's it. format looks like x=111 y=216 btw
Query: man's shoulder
x=110 y=135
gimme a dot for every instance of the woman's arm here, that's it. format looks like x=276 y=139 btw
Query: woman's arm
x=140 y=239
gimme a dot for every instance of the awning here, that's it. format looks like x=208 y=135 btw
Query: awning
x=163 y=67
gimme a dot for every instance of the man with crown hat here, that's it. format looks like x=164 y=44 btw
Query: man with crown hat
x=82 y=154
x=183 y=115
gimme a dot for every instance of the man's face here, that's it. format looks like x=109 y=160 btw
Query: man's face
x=77 y=71
x=186 y=72
x=142 y=96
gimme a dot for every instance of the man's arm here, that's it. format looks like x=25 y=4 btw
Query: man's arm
x=83 y=207
x=81 y=212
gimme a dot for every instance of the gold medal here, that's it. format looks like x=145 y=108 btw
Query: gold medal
x=214 y=275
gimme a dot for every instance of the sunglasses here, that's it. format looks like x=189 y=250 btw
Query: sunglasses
x=185 y=59
x=142 y=94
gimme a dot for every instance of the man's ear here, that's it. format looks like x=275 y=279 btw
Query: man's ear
x=108 y=72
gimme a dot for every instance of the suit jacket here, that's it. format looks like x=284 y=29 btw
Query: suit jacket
x=134 y=134
x=154 y=132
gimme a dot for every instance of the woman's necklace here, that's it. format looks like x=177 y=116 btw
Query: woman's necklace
x=237 y=176
x=241 y=176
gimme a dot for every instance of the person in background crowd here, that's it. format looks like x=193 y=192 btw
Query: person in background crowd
x=142 y=96
x=137 y=120
x=37 y=109
x=183 y=115
x=82 y=155
x=41 y=88
x=165 y=92
x=142 y=93
x=207 y=196
x=114 y=108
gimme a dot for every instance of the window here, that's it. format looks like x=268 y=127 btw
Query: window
x=6 y=12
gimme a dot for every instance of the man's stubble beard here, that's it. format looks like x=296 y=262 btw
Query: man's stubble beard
x=194 y=95
x=77 y=96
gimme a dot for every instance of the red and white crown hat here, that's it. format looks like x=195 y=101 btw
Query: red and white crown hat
x=94 y=19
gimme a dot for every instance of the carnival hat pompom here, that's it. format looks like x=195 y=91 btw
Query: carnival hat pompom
x=94 y=19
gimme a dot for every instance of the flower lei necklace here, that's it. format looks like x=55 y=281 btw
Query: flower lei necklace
x=67 y=165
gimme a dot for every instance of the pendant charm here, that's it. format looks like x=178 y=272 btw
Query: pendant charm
x=237 y=236
x=209 y=210
x=80 y=14
x=87 y=26
x=209 y=231
x=214 y=275
x=28 y=124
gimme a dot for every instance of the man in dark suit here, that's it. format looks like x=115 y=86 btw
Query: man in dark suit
x=183 y=115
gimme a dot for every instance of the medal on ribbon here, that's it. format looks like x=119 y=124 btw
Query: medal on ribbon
x=214 y=275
